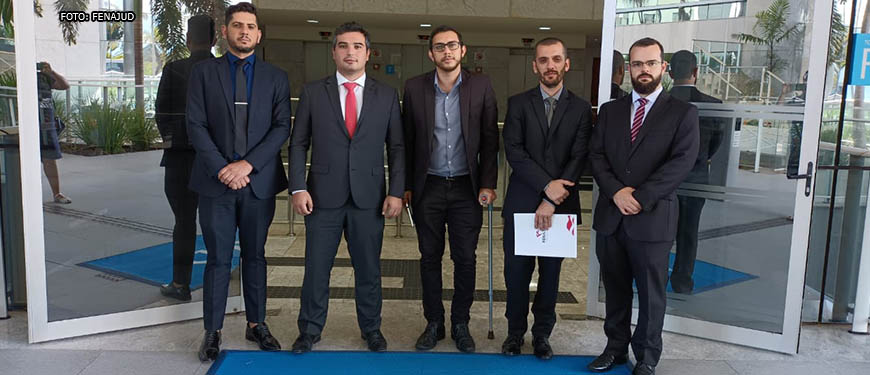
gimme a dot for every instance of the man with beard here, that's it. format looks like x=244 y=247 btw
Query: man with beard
x=450 y=118
x=643 y=147
x=546 y=134
x=346 y=119
x=170 y=108
x=238 y=117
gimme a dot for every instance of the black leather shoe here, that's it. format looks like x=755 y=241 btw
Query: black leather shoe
x=375 y=340
x=606 y=361
x=644 y=369
x=261 y=335
x=211 y=346
x=543 y=350
x=513 y=345
x=181 y=293
x=304 y=343
x=462 y=337
x=433 y=333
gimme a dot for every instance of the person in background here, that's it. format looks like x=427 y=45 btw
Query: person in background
x=49 y=126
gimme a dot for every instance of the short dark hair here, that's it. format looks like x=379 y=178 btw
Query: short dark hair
x=683 y=64
x=618 y=63
x=646 y=42
x=200 y=29
x=350 y=27
x=549 y=41
x=444 y=29
x=240 y=7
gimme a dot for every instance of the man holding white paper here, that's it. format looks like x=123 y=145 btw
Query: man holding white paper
x=546 y=132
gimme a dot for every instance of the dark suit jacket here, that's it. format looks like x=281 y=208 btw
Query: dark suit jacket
x=341 y=166
x=616 y=91
x=210 y=126
x=655 y=164
x=479 y=117
x=170 y=109
x=711 y=129
x=538 y=154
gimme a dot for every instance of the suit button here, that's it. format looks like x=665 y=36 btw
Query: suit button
x=627 y=171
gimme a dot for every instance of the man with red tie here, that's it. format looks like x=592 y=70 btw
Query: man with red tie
x=346 y=120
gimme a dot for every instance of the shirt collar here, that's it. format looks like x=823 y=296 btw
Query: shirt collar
x=361 y=81
x=557 y=96
x=233 y=58
x=455 y=85
x=651 y=98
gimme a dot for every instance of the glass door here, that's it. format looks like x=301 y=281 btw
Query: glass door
x=737 y=267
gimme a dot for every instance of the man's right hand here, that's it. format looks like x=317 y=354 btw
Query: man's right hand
x=302 y=203
x=626 y=202
x=556 y=190
x=406 y=200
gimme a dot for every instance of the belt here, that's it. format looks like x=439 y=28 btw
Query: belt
x=448 y=179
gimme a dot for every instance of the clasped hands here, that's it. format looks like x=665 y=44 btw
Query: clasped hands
x=235 y=174
x=556 y=192
x=625 y=201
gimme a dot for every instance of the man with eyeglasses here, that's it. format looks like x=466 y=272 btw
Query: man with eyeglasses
x=450 y=120
x=643 y=147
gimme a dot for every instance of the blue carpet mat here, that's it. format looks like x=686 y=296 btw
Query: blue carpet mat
x=709 y=276
x=153 y=265
x=232 y=362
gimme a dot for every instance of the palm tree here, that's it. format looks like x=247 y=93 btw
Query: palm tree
x=168 y=22
x=70 y=29
x=771 y=28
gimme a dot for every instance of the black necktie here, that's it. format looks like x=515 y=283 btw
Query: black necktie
x=241 y=131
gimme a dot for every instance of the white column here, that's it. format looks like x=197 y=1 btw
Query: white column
x=861 y=318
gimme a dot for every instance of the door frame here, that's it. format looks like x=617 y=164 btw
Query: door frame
x=38 y=326
x=787 y=341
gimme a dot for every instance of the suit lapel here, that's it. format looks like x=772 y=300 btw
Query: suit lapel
x=331 y=86
x=260 y=82
x=561 y=107
x=429 y=108
x=658 y=108
x=369 y=96
x=538 y=105
x=464 y=106
x=223 y=74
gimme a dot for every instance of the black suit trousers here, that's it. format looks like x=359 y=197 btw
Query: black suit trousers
x=518 y=271
x=452 y=203
x=687 y=242
x=183 y=203
x=624 y=260
x=363 y=229
x=220 y=217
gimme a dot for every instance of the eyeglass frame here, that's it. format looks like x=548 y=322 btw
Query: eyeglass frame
x=441 y=47
x=652 y=64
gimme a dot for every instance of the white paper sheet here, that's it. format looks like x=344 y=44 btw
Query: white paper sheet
x=558 y=241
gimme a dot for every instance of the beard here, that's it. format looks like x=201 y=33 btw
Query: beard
x=447 y=66
x=551 y=82
x=645 y=88
x=239 y=47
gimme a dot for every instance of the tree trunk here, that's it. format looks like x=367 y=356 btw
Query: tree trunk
x=138 y=59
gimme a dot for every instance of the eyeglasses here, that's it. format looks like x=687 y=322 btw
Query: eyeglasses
x=439 y=47
x=649 y=64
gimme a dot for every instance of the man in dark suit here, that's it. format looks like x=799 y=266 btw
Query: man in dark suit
x=643 y=147
x=170 y=110
x=546 y=133
x=617 y=76
x=450 y=120
x=346 y=120
x=684 y=72
x=238 y=118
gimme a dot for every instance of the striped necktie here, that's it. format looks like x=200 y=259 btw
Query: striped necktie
x=638 y=118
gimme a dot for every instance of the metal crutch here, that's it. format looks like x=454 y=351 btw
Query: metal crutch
x=489 y=222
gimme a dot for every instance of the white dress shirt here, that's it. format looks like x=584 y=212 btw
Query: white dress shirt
x=651 y=99
x=358 y=91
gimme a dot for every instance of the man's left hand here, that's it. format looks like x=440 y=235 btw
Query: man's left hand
x=235 y=171
x=392 y=207
x=486 y=196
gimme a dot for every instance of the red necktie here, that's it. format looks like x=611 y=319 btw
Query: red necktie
x=350 y=108
x=638 y=118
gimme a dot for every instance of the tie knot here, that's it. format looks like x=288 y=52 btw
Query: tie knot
x=551 y=100
x=642 y=101
x=349 y=85
x=241 y=63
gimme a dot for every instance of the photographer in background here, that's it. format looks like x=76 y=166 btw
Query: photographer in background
x=49 y=127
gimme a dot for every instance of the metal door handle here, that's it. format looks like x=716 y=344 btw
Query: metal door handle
x=808 y=176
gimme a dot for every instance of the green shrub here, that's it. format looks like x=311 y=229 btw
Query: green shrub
x=142 y=132
x=103 y=126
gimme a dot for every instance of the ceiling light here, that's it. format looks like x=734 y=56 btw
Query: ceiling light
x=425 y=25
x=312 y=21
x=544 y=28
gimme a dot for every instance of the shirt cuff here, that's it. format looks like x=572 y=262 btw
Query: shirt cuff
x=296 y=191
